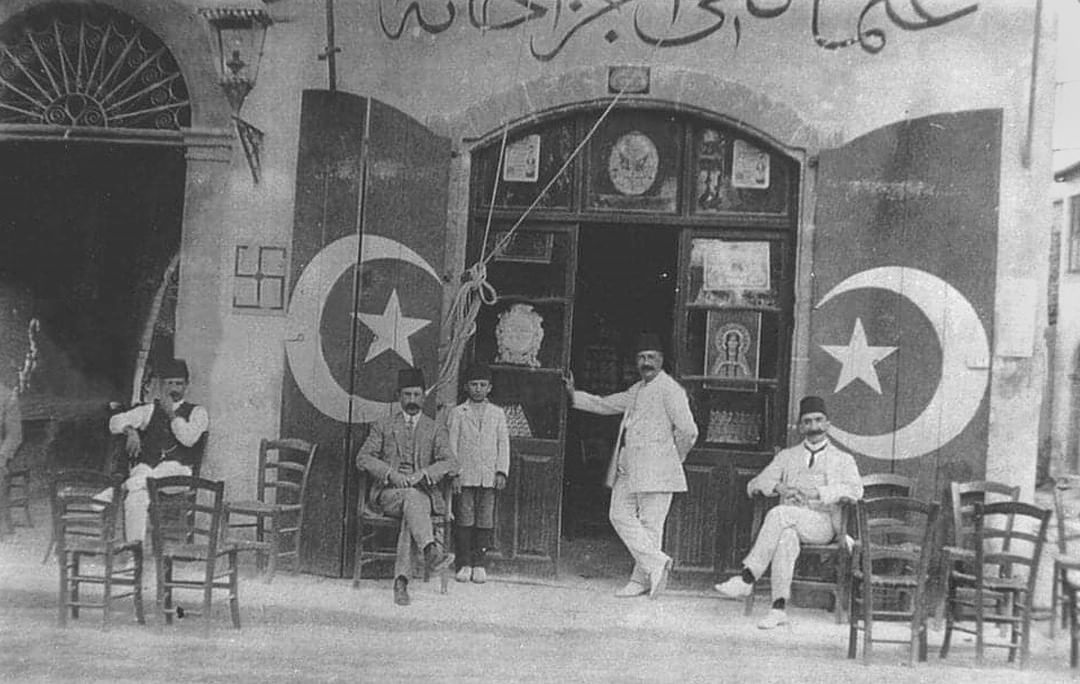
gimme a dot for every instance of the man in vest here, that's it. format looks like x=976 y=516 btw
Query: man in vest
x=812 y=480
x=656 y=434
x=406 y=455
x=165 y=437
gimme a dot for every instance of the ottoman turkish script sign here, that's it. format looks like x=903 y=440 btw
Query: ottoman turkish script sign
x=391 y=329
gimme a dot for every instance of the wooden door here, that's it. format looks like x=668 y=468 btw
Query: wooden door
x=732 y=350
x=525 y=337
x=369 y=234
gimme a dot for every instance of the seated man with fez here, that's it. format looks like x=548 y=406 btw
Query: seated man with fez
x=406 y=455
x=165 y=438
x=812 y=480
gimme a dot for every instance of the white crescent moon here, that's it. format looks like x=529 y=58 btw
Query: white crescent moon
x=303 y=341
x=965 y=363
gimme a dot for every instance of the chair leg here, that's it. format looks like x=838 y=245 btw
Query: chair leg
x=1055 y=588
x=106 y=589
x=208 y=595
x=234 y=589
x=74 y=583
x=62 y=595
x=358 y=557
x=868 y=621
x=275 y=549
x=137 y=596
x=853 y=625
x=164 y=592
x=1074 y=628
x=950 y=596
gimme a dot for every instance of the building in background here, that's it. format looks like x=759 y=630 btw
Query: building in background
x=843 y=198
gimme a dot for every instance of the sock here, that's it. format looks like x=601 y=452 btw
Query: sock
x=748 y=576
x=779 y=604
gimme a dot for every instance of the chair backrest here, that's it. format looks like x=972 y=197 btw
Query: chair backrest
x=1066 y=506
x=284 y=469
x=78 y=517
x=964 y=497
x=186 y=510
x=878 y=485
x=71 y=493
x=1009 y=535
x=896 y=536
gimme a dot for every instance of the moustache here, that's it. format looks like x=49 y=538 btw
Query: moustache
x=412 y=407
x=815 y=432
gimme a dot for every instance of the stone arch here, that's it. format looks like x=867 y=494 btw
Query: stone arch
x=672 y=88
x=186 y=36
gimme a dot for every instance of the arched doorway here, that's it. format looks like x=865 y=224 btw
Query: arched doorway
x=666 y=221
x=94 y=217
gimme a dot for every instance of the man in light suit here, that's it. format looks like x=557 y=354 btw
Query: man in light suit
x=656 y=434
x=406 y=455
x=812 y=479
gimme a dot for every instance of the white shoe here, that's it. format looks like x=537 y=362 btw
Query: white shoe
x=632 y=589
x=464 y=574
x=774 y=619
x=734 y=588
x=479 y=575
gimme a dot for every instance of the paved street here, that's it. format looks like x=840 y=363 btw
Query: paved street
x=316 y=629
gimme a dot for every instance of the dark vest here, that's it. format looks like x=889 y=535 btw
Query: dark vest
x=160 y=444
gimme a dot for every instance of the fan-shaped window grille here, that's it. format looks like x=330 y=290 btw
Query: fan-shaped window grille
x=88 y=65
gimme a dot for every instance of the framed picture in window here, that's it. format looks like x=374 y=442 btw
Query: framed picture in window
x=732 y=346
x=533 y=247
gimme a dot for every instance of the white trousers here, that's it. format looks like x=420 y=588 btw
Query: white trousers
x=638 y=518
x=137 y=501
x=782 y=531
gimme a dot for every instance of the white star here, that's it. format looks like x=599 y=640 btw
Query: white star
x=392 y=330
x=858 y=359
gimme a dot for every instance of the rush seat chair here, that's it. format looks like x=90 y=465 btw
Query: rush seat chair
x=372 y=526
x=90 y=549
x=277 y=513
x=186 y=517
x=996 y=585
x=890 y=565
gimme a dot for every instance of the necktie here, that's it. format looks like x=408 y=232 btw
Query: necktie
x=815 y=452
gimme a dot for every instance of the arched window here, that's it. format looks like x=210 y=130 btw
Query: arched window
x=88 y=65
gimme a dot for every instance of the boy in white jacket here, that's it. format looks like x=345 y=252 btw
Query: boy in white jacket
x=480 y=440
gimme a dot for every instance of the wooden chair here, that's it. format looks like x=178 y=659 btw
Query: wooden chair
x=964 y=496
x=835 y=554
x=880 y=485
x=1002 y=572
x=84 y=527
x=277 y=513
x=186 y=518
x=370 y=524
x=1066 y=565
x=889 y=571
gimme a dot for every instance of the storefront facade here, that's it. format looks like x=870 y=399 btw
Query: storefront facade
x=831 y=198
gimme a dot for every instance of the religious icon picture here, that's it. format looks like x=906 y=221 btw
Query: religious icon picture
x=732 y=346
x=749 y=167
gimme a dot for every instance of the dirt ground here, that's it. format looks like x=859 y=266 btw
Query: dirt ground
x=314 y=629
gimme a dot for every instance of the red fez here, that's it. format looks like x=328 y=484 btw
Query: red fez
x=812 y=404
x=410 y=377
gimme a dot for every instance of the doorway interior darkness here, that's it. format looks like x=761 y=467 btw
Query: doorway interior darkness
x=626 y=279
x=87 y=232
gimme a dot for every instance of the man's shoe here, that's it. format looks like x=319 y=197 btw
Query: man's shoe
x=631 y=590
x=479 y=575
x=401 y=591
x=774 y=619
x=658 y=580
x=734 y=588
x=435 y=558
x=464 y=574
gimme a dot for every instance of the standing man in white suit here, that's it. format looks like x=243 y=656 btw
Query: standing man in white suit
x=656 y=434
